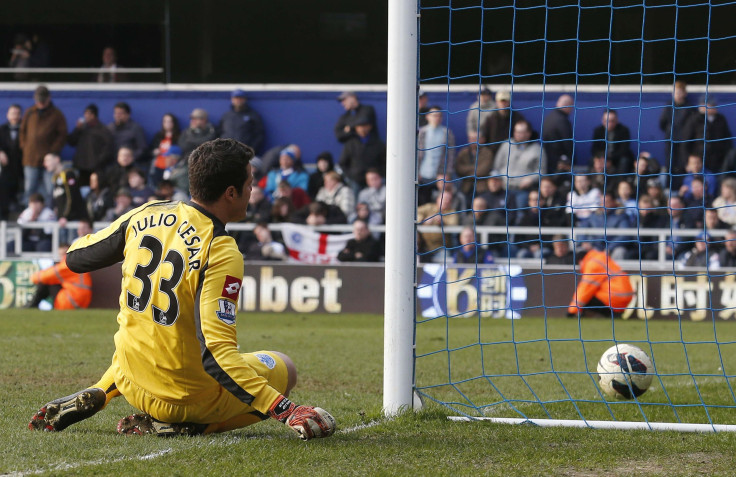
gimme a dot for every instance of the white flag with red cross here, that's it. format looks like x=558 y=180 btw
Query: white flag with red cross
x=309 y=246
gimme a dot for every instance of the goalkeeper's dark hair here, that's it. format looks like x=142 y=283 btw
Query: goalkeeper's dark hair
x=216 y=165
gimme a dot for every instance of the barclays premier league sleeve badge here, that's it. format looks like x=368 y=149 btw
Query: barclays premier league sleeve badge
x=226 y=311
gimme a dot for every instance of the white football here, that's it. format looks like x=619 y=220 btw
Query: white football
x=625 y=371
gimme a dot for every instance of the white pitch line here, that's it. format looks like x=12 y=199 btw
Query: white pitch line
x=64 y=466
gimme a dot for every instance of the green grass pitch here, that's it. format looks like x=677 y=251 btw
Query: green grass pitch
x=340 y=358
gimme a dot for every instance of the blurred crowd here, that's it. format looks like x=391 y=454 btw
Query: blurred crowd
x=506 y=174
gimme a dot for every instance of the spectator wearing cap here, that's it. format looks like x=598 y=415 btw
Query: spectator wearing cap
x=200 y=130
x=707 y=134
x=177 y=170
x=287 y=171
x=123 y=204
x=479 y=112
x=242 y=122
x=557 y=133
x=435 y=150
x=94 y=142
x=325 y=163
x=354 y=109
x=42 y=130
x=362 y=152
x=499 y=124
x=128 y=133
x=613 y=140
x=422 y=108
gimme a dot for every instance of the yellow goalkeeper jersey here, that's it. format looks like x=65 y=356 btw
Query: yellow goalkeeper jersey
x=181 y=281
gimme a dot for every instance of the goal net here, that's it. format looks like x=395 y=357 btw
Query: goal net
x=551 y=136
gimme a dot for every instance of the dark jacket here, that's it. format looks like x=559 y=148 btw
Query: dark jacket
x=130 y=135
x=347 y=119
x=246 y=126
x=190 y=139
x=474 y=164
x=11 y=174
x=616 y=145
x=712 y=140
x=360 y=155
x=367 y=250
x=41 y=132
x=557 y=138
x=95 y=150
x=672 y=122
x=498 y=128
x=68 y=202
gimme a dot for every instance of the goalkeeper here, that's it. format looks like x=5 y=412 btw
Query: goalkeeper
x=603 y=287
x=176 y=353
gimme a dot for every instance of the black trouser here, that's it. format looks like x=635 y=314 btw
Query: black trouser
x=597 y=306
x=42 y=292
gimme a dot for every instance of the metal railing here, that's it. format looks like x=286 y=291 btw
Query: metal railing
x=12 y=232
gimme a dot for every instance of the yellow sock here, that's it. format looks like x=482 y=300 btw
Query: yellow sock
x=107 y=384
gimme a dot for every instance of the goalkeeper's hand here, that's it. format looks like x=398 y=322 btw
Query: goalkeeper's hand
x=307 y=421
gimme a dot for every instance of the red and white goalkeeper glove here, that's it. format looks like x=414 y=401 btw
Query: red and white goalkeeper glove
x=307 y=421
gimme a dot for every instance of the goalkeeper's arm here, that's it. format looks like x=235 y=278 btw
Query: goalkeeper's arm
x=307 y=421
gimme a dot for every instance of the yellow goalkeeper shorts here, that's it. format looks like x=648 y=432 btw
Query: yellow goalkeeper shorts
x=217 y=407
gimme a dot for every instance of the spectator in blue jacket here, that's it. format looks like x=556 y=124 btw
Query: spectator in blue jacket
x=242 y=122
x=610 y=216
x=287 y=171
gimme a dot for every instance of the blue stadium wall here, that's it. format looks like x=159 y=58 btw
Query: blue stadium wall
x=307 y=117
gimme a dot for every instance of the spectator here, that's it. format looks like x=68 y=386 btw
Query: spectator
x=626 y=196
x=287 y=171
x=94 y=143
x=362 y=247
x=656 y=192
x=557 y=135
x=20 y=55
x=11 y=162
x=109 y=73
x=561 y=253
x=726 y=202
x=435 y=151
x=259 y=208
x=317 y=214
x=374 y=194
x=583 y=200
x=177 y=170
x=199 y=131
x=99 y=197
x=42 y=130
x=85 y=227
x=610 y=217
x=469 y=251
x=697 y=200
x=345 y=128
x=713 y=222
x=68 y=203
x=422 y=108
x=521 y=161
x=139 y=190
x=438 y=213
x=68 y=290
x=528 y=245
x=647 y=168
x=472 y=163
x=602 y=173
x=443 y=182
x=325 y=163
x=498 y=208
x=707 y=134
x=265 y=247
x=334 y=192
x=363 y=212
x=499 y=124
x=726 y=258
x=672 y=122
x=242 y=122
x=36 y=240
x=166 y=137
x=116 y=176
x=678 y=219
x=128 y=133
x=694 y=168
x=282 y=210
x=363 y=151
x=478 y=113
x=295 y=194
x=612 y=139
x=701 y=254
x=123 y=204
x=648 y=217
